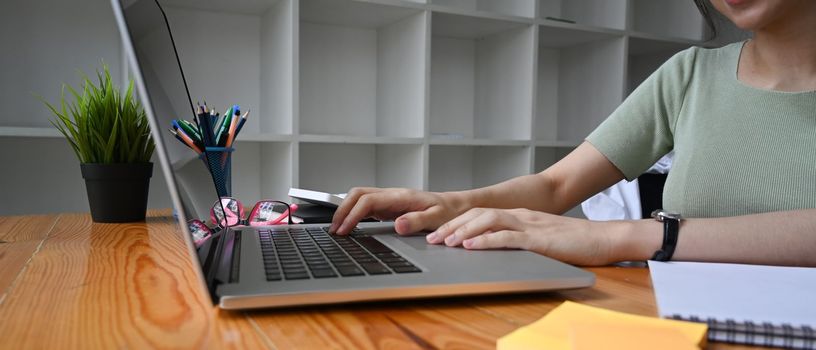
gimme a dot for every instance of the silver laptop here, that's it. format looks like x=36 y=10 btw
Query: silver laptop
x=290 y=265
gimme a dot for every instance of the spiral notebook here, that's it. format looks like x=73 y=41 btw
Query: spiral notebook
x=743 y=304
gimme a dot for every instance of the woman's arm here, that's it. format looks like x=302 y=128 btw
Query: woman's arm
x=775 y=238
x=578 y=176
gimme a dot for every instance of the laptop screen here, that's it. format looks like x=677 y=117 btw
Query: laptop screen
x=148 y=38
x=166 y=88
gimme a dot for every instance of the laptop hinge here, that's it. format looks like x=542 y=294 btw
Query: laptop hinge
x=221 y=264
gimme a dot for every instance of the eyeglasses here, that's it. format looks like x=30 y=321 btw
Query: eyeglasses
x=230 y=212
x=200 y=231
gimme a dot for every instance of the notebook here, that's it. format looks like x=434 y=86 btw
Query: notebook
x=744 y=304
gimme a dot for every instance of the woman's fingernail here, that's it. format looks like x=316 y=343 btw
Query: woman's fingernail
x=468 y=243
x=450 y=239
x=431 y=237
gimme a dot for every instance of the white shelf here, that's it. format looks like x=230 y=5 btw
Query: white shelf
x=517 y=8
x=547 y=156
x=457 y=141
x=39 y=56
x=362 y=69
x=595 y=13
x=335 y=168
x=426 y=94
x=257 y=137
x=481 y=77
x=13 y=131
x=558 y=144
x=580 y=82
x=465 y=167
x=669 y=18
x=246 y=7
x=360 y=139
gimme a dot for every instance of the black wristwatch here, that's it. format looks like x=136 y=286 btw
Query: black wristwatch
x=671 y=228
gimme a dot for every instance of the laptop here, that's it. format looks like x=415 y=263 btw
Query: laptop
x=244 y=267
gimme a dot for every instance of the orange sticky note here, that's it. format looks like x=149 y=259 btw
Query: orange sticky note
x=597 y=335
x=563 y=325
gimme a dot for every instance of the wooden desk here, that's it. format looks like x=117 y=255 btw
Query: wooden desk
x=70 y=283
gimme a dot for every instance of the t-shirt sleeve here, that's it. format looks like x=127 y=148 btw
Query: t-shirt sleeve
x=641 y=129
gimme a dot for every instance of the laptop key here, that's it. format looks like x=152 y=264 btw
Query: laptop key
x=372 y=244
x=406 y=269
x=375 y=268
x=297 y=276
x=350 y=271
x=323 y=273
x=398 y=264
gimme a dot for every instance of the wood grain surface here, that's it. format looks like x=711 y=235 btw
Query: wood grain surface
x=71 y=283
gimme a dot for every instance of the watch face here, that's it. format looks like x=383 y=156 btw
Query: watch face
x=660 y=215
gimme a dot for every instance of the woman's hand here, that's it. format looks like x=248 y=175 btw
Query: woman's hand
x=413 y=210
x=575 y=241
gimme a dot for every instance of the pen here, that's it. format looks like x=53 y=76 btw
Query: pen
x=185 y=139
x=176 y=135
x=232 y=128
x=220 y=136
x=241 y=123
x=190 y=131
x=205 y=120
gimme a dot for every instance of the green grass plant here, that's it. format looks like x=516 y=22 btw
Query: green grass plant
x=101 y=124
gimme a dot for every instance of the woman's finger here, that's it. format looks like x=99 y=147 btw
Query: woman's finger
x=348 y=203
x=449 y=227
x=487 y=221
x=499 y=239
x=416 y=221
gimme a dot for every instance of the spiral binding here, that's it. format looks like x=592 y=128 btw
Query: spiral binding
x=765 y=334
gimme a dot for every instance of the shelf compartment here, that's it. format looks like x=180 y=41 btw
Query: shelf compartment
x=336 y=168
x=455 y=168
x=520 y=8
x=237 y=58
x=646 y=56
x=362 y=69
x=42 y=41
x=481 y=78
x=546 y=157
x=579 y=84
x=668 y=18
x=46 y=132
x=593 y=13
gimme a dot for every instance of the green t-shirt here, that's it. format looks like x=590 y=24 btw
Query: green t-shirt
x=738 y=149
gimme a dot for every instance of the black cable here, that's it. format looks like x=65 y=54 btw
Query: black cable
x=178 y=60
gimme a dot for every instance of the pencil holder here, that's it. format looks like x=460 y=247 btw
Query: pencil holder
x=218 y=160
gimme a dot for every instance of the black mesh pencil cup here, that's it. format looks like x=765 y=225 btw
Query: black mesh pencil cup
x=218 y=160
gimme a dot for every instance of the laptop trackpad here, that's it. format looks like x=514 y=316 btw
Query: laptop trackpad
x=419 y=243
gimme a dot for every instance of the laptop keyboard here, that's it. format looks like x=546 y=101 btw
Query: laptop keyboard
x=304 y=253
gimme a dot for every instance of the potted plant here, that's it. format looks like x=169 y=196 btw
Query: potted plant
x=110 y=134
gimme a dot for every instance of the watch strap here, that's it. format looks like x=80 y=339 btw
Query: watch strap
x=671 y=228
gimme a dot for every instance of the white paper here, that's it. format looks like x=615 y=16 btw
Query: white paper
x=755 y=293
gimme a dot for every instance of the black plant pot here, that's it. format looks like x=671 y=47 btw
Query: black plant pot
x=117 y=192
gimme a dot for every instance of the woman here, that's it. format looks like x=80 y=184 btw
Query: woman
x=742 y=121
